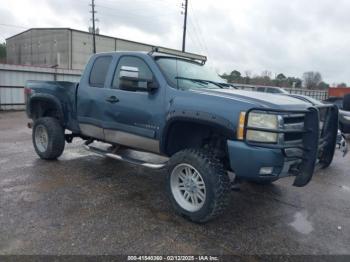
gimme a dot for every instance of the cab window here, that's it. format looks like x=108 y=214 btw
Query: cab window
x=99 y=71
x=131 y=73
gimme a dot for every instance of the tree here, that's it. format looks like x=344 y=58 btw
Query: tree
x=312 y=79
x=294 y=82
x=235 y=75
x=343 y=85
x=246 y=79
x=280 y=80
x=281 y=77
x=323 y=85
x=225 y=76
x=2 y=52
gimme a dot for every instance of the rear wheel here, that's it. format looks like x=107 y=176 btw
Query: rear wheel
x=198 y=185
x=48 y=138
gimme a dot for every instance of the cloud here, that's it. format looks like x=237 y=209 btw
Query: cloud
x=280 y=36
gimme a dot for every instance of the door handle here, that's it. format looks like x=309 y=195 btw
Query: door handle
x=112 y=99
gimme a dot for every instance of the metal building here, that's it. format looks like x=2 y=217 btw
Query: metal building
x=14 y=77
x=63 y=47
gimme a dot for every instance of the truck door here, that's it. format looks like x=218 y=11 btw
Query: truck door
x=133 y=112
x=92 y=92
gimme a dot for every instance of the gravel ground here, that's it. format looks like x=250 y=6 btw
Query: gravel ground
x=86 y=204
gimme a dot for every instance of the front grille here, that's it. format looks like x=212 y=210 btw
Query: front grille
x=294 y=124
x=323 y=113
x=304 y=136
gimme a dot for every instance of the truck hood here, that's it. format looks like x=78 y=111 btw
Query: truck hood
x=257 y=99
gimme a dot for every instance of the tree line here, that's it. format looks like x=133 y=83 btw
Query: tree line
x=310 y=80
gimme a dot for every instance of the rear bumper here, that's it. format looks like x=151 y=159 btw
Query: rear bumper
x=246 y=161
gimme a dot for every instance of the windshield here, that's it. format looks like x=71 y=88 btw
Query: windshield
x=185 y=74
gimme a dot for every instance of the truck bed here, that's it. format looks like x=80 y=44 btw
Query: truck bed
x=61 y=92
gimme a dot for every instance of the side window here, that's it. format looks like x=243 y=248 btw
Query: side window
x=131 y=73
x=260 y=89
x=273 y=90
x=99 y=71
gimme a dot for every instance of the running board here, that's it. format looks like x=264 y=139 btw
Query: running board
x=125 y=158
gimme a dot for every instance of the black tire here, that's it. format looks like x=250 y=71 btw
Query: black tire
x=55 y=138
x=216 y=180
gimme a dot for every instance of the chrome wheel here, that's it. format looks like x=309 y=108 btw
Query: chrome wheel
x=41 y=138
x=188 y=187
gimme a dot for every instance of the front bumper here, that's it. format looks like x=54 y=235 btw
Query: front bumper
x=305 y=138
x=247 y=161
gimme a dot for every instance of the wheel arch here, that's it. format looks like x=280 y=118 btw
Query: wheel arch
x=198 y=125
x=43 y=105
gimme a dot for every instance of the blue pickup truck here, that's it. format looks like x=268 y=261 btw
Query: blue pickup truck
x=172 y=105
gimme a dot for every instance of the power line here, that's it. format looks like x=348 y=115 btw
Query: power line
x=196 y=24
x=131 y=13
x=148 y=1
x=195 y=42
x=195 y=34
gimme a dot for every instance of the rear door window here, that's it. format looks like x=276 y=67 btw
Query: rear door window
x=99 y=71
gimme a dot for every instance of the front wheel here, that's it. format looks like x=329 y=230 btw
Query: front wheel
x=48 y=138
x=198 y=185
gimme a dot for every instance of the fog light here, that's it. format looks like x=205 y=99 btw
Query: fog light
x=266 y=171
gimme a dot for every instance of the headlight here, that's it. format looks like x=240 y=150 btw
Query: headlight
x=262 y=120
x=260 y=136
x=259 y=120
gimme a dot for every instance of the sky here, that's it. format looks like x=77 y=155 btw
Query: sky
x=279 y=36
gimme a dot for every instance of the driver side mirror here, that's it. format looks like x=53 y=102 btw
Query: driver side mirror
x=131 y=81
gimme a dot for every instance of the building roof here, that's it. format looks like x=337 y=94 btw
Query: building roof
x=85 y=32
x=41 y=28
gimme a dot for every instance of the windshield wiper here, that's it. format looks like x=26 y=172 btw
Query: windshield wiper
x=200 y=81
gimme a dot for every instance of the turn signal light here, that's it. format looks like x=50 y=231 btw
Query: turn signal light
x=240 y=128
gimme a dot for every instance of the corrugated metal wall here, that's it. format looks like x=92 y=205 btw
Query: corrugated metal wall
x=82 y=47
x=14 y=77
x=47 y=47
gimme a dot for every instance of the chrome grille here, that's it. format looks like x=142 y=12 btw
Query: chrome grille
x=291 y=123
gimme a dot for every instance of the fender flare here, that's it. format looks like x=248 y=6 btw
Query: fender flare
x=46 y=98
x=226 y=127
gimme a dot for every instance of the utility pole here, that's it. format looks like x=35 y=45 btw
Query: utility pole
x=93 y=26
x=185 y=24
